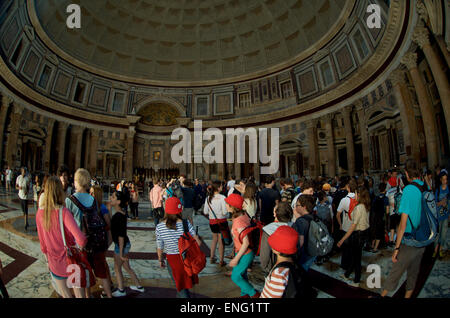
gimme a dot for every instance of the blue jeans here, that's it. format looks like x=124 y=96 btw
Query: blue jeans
x=184 y=293
x=239 y=275
x=306 y=265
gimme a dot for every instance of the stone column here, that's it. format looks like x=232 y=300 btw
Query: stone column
x=77 y=132
x=349 y=140
x=256 y=171
x=121 y=166
x=48 y=144
x=130 y=150
x=313 y=148
x=429 y=123
x=364 y=135
x=410 y=135
x=11 y=148
x=420 y=36
x=330 y=145
x=6 y=101
x=62 y=132
x=93 y=151
x=104 y=165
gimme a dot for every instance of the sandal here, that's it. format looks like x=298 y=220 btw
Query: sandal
x=213 y=260
x=222 y=264
x=229 y=256
x=228 y=274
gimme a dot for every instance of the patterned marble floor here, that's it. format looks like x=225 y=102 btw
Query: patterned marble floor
x=26 y=274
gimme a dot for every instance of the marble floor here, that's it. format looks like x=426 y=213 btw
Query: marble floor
x=26 y=274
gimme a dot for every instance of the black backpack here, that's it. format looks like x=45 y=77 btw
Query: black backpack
x=94 y=227
x=299 y=284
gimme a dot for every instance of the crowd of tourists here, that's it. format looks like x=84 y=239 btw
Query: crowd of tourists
x=289 y=224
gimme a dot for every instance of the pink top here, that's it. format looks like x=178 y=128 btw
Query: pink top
x=52 y=244
x=239 y=224
x=156 y=196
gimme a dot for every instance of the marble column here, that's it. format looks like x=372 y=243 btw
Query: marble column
x=364 y=135
x=6 y=101
x=121 y=166
x=421 y=37
x=313 y=148
x=346 y=112
x=93 y=151
x=77 y=132
x=62 y=132
x=104 y=165
x=331 y=152
x=130 y=150
x=48 y=144
x=11 y=148
x=410 y=135
x=429 y=122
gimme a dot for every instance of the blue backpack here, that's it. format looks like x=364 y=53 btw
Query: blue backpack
x=426 y=232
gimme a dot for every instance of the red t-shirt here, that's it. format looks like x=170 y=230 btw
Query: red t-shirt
x=239 y=223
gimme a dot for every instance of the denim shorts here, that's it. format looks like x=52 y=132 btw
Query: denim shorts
x=126 y=249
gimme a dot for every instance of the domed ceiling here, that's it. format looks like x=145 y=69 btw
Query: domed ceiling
x=191 y=41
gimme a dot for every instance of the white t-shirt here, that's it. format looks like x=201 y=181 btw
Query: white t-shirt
x=231 y=184
x=8 y=174
x=344 y=206
x=22 y=182
x=218 y=205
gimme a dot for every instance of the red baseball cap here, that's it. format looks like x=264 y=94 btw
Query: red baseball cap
x=235 y=200
x=284 y=240
x=173 y=206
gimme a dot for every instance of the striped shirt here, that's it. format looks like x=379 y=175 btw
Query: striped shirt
x=276 y=283
x=167 y=239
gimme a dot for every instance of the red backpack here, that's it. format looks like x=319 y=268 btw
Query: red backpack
x=254 y=232
x=194 y=259
x=352 y=205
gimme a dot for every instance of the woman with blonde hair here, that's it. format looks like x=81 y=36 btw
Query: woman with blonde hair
x=50 y=236
x=357 y=234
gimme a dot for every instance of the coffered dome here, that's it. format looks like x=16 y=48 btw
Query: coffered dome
x=190 y=41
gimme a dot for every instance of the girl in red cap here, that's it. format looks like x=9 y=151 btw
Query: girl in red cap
x=244 y=257
x=284 y=245
x=167 y=234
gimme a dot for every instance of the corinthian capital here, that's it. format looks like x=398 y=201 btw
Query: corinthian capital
x=422 y=10
x=420 y=36
x=409 y=60
x=397 y=77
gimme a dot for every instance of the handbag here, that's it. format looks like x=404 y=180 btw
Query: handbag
x=77 y=259
x=224 y=228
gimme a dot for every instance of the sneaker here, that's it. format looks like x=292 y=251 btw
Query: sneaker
x=434 y=254
x=119 y=293
x=353 y=284
x=345 y=278
x=137 y=288
x=441 y=254
x=374 y=251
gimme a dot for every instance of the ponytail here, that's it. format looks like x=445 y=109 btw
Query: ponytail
x=213 y=188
